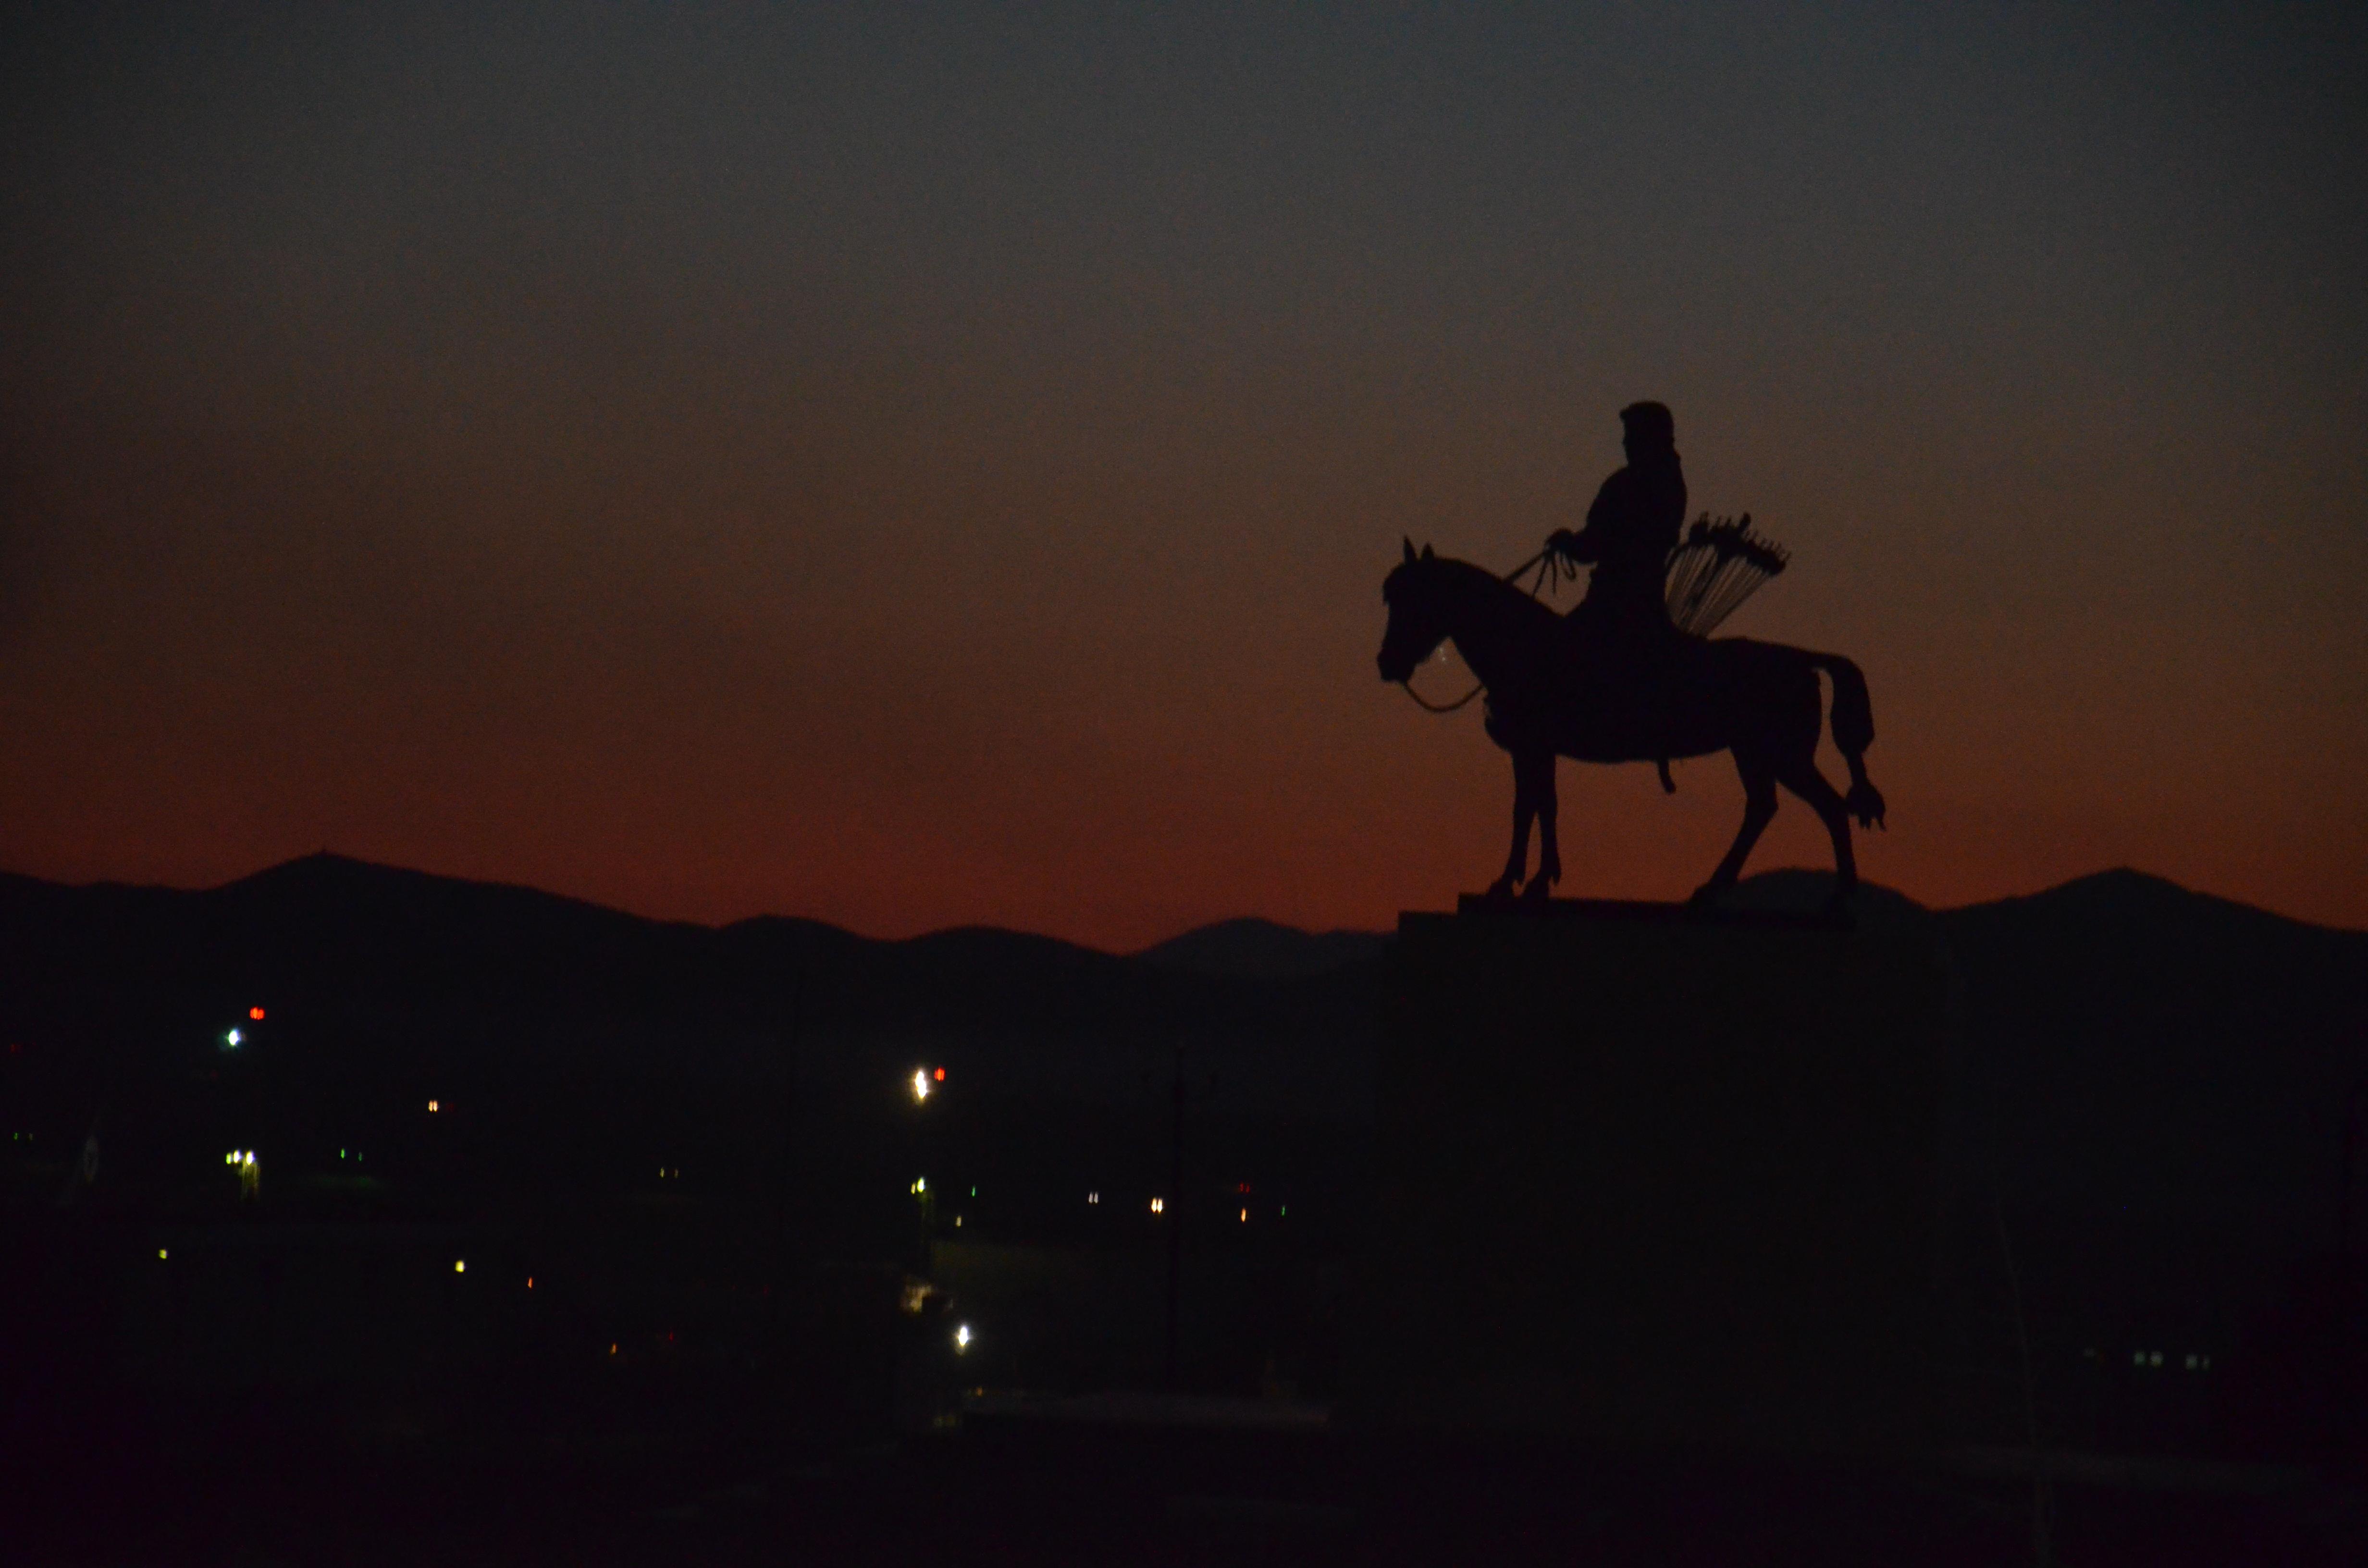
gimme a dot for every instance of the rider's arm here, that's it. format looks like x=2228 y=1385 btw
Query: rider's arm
x=1587 y=544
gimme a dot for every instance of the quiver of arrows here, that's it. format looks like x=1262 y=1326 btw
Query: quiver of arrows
x=1719 y=564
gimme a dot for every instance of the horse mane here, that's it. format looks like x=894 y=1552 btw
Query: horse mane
x=1478 y=582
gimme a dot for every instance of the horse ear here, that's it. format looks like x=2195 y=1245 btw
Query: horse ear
x=1426 y=553
x=1409 y=547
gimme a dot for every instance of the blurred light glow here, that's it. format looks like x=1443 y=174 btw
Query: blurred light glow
x=921 y=1184
x=1246 y=1216
x=1159 y=1205
x=160 y=1255
x=920 y=1084
x=233 y=1038
x=940 y=1075
x=1093 y=1198
x=433 y=1106
x=256 y=1014
x=459 y=1266
x=961 y=1338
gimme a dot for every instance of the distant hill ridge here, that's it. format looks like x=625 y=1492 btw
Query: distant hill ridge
x=2131 y=1044
x=1243 y=945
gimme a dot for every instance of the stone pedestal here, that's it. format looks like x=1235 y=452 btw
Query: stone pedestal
x=1643 y=1179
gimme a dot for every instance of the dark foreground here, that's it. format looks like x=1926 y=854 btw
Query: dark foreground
x=90 y=1486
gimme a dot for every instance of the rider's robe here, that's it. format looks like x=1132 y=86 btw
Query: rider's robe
x=1631 y=530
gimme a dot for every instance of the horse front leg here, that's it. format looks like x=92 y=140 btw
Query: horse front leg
x=1524 y=807
x=1540 y=771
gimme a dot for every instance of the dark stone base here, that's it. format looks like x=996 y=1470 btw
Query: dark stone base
x=1480 y=905
x=1651 y=1176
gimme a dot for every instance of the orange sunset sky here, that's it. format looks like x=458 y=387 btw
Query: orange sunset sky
x=922 y=466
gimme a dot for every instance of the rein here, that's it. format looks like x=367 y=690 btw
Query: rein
x=1429 y=707
x=1553 y=571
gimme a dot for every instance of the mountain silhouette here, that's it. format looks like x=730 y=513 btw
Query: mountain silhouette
x=1263 y=949
x=2132 y=1048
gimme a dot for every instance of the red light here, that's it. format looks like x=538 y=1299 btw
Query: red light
x=940 y=1075
x=256 y=1013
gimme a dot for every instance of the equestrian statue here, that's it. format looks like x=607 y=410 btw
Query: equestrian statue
x=1629 y=675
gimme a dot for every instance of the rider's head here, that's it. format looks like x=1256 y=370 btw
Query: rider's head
x=1647 y=430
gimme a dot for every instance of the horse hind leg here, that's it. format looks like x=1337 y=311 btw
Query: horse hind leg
x=1806 y=781
x=1759 y=807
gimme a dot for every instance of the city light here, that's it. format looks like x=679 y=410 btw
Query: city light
x=962 y=1339
x=459 y=1266
x=160 y=1255
x=921 y=1184
x=1246 y=1216
x=433 y=1106
x=920 y=1084
x=256 y=1014
x=230 y=1040
x=1159 y=1205
x=1093 y=1198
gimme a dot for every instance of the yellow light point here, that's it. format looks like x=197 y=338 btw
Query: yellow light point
x=433 y=1108
x=459 y=1266
x=920 y=1084
x=1246 y=1216
x=160 y=1255
x=1158 y=1207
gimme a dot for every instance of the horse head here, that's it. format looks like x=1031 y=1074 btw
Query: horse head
x=1415 y=591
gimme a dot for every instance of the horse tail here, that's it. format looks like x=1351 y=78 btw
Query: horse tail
x=1853 y=730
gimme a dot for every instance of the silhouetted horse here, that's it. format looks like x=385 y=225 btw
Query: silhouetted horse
x=1759 y=700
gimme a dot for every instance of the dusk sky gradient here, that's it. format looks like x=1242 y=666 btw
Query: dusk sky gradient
x=912 y=466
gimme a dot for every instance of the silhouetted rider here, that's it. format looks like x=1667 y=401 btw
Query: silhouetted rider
x=1630 y=531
